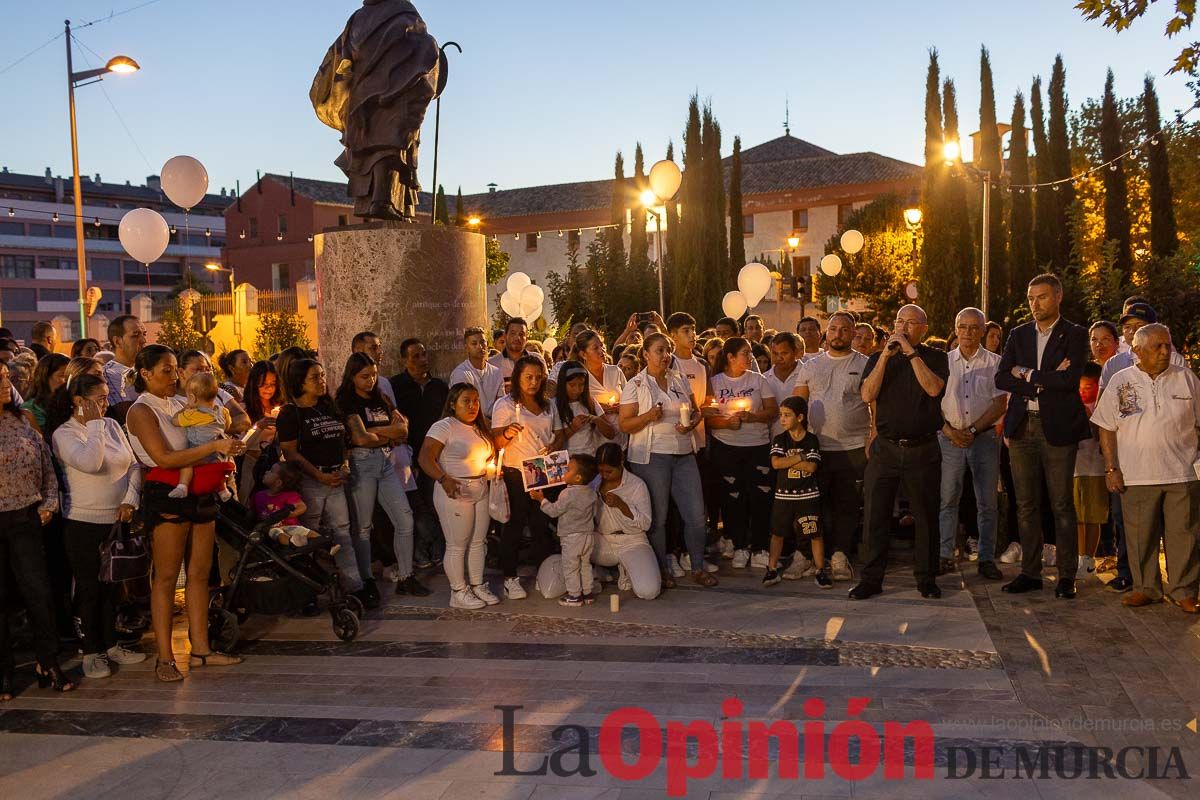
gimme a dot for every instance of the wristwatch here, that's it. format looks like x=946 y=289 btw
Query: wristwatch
x=973 y=430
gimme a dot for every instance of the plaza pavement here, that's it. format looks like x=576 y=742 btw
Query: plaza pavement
x=407 y=710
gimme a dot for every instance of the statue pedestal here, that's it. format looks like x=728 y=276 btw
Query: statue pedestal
x=399 y=280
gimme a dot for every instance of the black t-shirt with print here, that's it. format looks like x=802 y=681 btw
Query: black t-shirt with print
x=372 y=413
x=321 y=433
x=791 y=483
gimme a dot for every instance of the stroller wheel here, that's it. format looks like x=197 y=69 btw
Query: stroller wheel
x=355 y=605
x=345 y=624
x=222 y=629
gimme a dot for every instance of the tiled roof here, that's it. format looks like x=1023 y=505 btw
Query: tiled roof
x=785 y=148
x=334 y=192
x=98 y=193
x=833 y=170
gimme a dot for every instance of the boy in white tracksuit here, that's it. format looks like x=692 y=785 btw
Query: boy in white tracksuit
x=575 y=510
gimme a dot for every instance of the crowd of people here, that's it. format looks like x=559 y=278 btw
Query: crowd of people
x=802 y=455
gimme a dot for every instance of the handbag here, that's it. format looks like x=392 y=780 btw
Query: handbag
x=498 y=506
x=124 y=555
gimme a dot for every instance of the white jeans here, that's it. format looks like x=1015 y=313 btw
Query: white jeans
x=465 y=525
x=577 y=562
x=633 y=552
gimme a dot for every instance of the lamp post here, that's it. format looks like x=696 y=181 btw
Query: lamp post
x=952 y=153
x=912 y=219
x=122 y=65
x=237 y=324
x=664 y=179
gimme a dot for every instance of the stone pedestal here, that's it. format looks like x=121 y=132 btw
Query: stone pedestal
x=399 y=280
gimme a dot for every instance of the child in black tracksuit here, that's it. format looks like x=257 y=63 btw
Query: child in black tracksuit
x=796 y=455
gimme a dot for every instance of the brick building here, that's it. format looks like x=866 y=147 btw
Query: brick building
x=38 y=272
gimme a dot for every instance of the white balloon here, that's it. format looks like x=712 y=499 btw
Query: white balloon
x=510 y=304
x=531 y=314
x=548 y=344
x=531 y=295
x=184 y=181
x=516 y=282
x=852 y=241
x=754 y=281
x=144 y=234
x=831 y=265
x=733 y=304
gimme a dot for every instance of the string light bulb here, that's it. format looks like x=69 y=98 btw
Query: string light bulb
x=173 y=231
x=96 y=222
x=560 y=233
x=310 y=237
x=1154 y=141
x=242 y=235
x=12 y=212
x=54 y=217
x=1112 y=167
x=279 y=236
x=1057 y=187
x=208 y=233
x=1033 y=189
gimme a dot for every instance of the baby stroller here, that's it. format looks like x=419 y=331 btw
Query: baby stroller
x=272 y=578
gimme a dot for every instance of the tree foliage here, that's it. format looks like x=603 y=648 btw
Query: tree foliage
x=440 y=212
x=1022 y=266
x=1120 y=14
x=177 y=329
x=1116 y=196
x=737 y=243
x=496 y=263
x=1045 y=237
x=277 y=331
x=991 y=159
x=1164 y=233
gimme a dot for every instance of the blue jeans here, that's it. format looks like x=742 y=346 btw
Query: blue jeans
x=372 y=477
x=675 y=478
x=329 y=512
x=983 y=458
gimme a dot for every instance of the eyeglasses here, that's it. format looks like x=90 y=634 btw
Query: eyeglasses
x=908 y=322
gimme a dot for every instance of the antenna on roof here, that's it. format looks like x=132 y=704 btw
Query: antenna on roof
x=787 y=128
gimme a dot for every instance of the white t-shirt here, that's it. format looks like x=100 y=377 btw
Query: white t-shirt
x=662 y=436
x=696 y=373
x=745 y=393
x=505 y=364
x=782 y=389
x=1155 y=421
x=537 y=436
x=465 y=452
x=1126 y=359
x=836 y=411
x=586 y=439
x=487 y=381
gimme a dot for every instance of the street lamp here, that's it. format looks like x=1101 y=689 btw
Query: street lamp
x=237 y=326
x=121 y=65
x=474 y=222
x=664 y=179
x=952 y=153
x=912 y=218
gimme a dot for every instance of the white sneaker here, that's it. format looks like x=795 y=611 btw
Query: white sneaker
x=1086 y=564
x=685 y=563
x=484 y=593
x=623 y=582
x=513 y=590
x=673 y=565
x=800 y=567
x=120 y=654
x=1049 y=555
x=972 y=549
x=741 y=558
x=760 y=560
x=840 y=568
x=726 y=547
x=95 y=665
x=1012 y=554
x=465 y=598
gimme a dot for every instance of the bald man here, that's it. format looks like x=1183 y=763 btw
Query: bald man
x=903 y=384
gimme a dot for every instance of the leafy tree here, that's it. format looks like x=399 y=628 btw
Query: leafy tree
x=1116 y=196
x=1164 y=235
x=639 y=259
x=496 y=263
x=177 y=330
x=949 y=281
x=737 y=243
x=1021 y=251
x=1045 y=235
x=1000 y=288
x=190 y=279
x=568 y=293
x=715 y=236
x=277 y=331
x=440 y=213
x=1120 y=14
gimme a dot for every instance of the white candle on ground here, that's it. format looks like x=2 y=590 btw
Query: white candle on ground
x=614 y=603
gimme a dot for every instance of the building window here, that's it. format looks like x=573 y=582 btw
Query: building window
x=19 y=299
x=39 y=229
x=58 y=295
x=254 y=227
x=16 y=267
x=12 y=228
x=844 y=211
x=280 y=277
x=343 y=220
x=573 y=240
x=283 y=223
x=748 y=225
x=57 y=263
x=531 y=240
x=106 y=269
x=801 y=265
x=799 y=219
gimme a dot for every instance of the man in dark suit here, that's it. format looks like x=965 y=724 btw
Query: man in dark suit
x=1042 y=363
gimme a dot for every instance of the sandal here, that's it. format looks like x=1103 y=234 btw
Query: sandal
x=167 y=671
x=214 y=659
x=668 y=580
x=704 y=578
x=53 y=678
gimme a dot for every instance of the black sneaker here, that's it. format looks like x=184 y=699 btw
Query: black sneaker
x=1119 y=585
x=412 y=586
x=823 y=578
x=369 y=595
x=771 y=577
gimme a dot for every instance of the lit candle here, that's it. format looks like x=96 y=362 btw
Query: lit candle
x=685 y=414
x=612 y=399
x=741 y=405
x=518 y=417
x=614 y=603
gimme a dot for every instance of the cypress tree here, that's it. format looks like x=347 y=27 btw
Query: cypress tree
x=687 y=289
x=1116 y=193
x=1060 y=162
x=737 y=242
x=1021 y=256
x=1164 y=236
x=715 y=237
x=440 y=213
x=460 y=213
x=955 y=287
x=1045 y=232
x=616 y=300
x=638 y=240
x=992 y=159
x=932 y=201
x=671 y=220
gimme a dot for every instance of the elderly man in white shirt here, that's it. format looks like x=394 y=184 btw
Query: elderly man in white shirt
x=1147 y=419
x=971 y=407
x=1137 y=315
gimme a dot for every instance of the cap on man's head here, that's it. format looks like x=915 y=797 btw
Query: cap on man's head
x=1141 y=311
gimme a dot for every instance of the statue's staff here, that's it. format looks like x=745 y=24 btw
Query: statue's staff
x=437 y=121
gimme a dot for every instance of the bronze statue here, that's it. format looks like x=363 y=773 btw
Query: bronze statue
x=374 y=86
